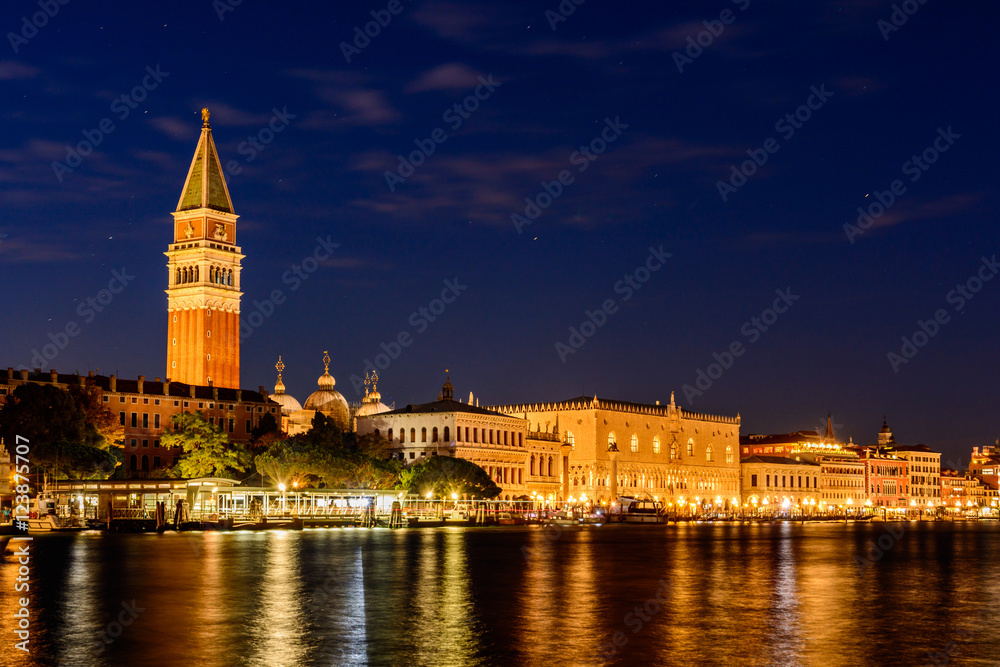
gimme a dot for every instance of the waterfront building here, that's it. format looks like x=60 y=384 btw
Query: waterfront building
x=985 y=463
x=203 y=276
x=613 y=448
x=841 y=473
x=778 y=483
x=925 y=471
x=960 y=488
x=886 y=477
x=145 y=409
x=520 y=461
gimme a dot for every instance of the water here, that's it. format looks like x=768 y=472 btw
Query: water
x=777 y=594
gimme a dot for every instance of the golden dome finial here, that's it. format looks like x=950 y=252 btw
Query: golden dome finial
x=204 y=116
x=374 y=381
x=279 y=386
x=326 y=361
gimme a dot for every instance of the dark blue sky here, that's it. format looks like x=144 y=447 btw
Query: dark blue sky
x=656 y=184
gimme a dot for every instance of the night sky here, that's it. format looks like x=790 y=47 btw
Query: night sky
x=884 y=94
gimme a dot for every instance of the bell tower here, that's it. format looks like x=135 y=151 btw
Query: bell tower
x=203 y=263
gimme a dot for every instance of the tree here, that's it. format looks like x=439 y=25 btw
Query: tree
x=41 y=413
x=325 y=432
x=74 y=460
x=207 y=451
x=444 y=475
x=106 y=430
x=293 y=461
x=267 y=424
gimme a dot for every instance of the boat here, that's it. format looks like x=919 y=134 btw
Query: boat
x=45 y=518
x=638 y=510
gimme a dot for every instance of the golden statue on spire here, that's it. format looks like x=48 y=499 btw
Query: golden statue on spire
x=204 y=115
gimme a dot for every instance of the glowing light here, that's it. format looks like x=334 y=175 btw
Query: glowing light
x=429 y=495
x=454 y=496
x=281 y=487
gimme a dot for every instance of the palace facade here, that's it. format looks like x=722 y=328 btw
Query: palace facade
x=613 y=448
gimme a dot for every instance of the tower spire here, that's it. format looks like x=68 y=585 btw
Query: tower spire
x=205 y=185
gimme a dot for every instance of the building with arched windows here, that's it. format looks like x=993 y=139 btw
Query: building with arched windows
x=521 y=462
x=673 y=455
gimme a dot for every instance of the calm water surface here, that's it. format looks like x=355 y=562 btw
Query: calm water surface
x=778 y=594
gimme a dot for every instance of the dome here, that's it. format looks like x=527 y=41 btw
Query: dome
x=372 y=403
x=328 y=400
x=371 y=407
x=286 y=401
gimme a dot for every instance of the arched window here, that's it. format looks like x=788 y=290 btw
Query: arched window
x=402 y=436
x=656 y=444
x=520 y=479
x=195 y=279
x=390 y=435
x=447 y=434
x=229 y=278
x=690 y=447
x=611 y=438
x=570 y=438
x=413 y=435
x=550 y=466
x=635 y=443
x=708 y=453
x=377 y=434
x=211 y=274
x=533 y=468
x=177 y=279
x=434 y=434
x=673 y=451
x=729 y=454
x=423 y=434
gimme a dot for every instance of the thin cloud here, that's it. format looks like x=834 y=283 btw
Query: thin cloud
x=450 y=76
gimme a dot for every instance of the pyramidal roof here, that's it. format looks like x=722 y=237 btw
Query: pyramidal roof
x=205 y=186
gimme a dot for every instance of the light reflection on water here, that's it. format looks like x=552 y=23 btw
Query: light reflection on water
x=756 y=595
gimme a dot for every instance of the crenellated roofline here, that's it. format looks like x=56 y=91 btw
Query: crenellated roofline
x=594 y=403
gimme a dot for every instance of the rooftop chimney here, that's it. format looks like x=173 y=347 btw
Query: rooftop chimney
x=142 y=381
x=239 y=395
x=191 y=388
x=10 y=373
x=90 y=374
x=24 y=375
x=53 y=376
x=156 y=379
x=215 y=393
x=79 y=379
x=166 y=387
x=114 y=383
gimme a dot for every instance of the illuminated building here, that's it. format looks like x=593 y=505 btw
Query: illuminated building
x=521 y=462
x=841 y=474
x=985 y=463
x=925 y=473
x=203 y=262
x=660 y=450
x=777 y=483
x=146 y=407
